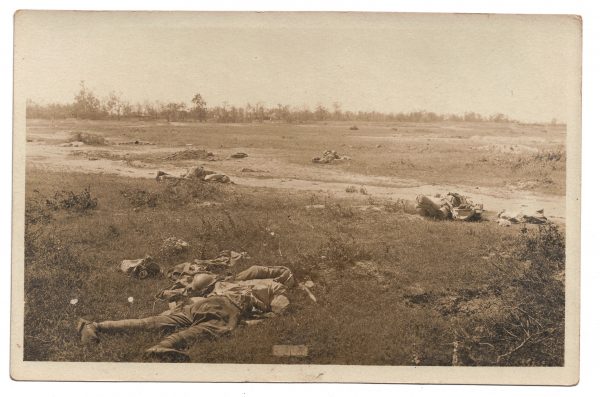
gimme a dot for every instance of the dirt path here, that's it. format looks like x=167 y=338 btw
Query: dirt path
x=274 y=172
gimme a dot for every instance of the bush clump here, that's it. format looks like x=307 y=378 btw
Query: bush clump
x=526 y=326
x=70 y=201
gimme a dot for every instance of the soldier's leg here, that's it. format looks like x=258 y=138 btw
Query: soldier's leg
x=89 y=330
x=187 y=337
x=172 y=347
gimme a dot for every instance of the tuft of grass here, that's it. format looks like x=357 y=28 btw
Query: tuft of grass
x=351 y=189
x=339 y=252
x=140 y=198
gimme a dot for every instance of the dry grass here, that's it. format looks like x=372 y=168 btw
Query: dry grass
x=362 y=316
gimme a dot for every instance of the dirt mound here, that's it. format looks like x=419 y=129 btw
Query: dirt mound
x=190 y=154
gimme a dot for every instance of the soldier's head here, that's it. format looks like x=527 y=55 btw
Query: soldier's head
x=202 y=281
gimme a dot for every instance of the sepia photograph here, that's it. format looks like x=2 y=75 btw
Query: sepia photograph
x=338 y=197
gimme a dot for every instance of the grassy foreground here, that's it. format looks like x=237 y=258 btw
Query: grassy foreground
x=392 y=289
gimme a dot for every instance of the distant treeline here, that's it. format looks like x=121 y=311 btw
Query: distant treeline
x=86 y=105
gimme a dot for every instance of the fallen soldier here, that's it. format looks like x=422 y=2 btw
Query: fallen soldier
x=452 y=206
x=216 y=313
x=162 y=176
x=184 y=274
x=194 y=173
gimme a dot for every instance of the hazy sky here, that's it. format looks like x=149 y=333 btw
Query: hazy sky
x=518 y=65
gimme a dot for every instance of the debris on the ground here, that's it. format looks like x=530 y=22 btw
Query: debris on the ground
x=329 y=156
x=209 y=204
x=136 y=142
x=315 y=207
x=371 y=269
x=221 y=178
x=173 y=246
x=290 y=350
x=73 y=144
x=189 y=154
x=536 y=217
x=226 y=259
x=451 y=206
x=140 y=268
x=196 y=172
x=375 y=208
x=239 y=155
x=251 y=170
x=354 y=128
x=305 y=286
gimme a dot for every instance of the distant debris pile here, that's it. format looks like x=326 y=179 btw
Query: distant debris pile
x=239 y=155
x=136 y=142
x=329 y=156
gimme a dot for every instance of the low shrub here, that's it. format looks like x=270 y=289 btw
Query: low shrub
x=527 y=326
x=70 y=201
x=182 y=191
x=342 y=252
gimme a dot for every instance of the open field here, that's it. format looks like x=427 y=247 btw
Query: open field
x=392 y=288
x=485 y=160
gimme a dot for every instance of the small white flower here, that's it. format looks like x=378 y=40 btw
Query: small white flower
x=74 y=301
x=130 y=299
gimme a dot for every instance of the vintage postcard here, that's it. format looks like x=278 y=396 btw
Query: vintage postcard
x=296 y=197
